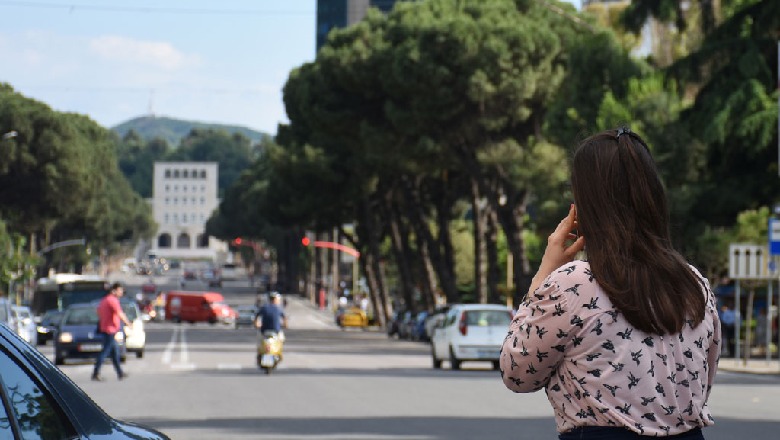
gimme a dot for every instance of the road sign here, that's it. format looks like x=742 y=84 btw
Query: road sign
x=774 y=236
x=748 y=262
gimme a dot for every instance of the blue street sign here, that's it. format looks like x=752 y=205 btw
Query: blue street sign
x=774 y=236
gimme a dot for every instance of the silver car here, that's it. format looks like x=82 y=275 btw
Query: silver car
x=24 y=324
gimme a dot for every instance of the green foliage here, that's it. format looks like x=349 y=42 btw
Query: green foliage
x=233 y=152
x=60 y=178
x=173 y=131
x=752 y=226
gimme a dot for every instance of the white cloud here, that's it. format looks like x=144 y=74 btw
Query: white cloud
x=151 y=53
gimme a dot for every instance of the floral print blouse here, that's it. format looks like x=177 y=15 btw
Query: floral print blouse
x=598 y=370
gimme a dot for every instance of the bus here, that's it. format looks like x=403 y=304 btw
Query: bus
x=63 y=289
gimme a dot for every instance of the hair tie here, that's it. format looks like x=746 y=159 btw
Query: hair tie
x=622 y=130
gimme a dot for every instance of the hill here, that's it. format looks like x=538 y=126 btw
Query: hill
x=173 y=130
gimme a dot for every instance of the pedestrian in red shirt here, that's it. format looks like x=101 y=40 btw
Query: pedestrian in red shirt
x=110 y=319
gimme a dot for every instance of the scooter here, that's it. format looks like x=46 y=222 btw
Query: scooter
x=269 y=350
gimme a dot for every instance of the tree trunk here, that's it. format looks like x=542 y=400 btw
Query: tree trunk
x=491 y=247
x=436 y=257
x=446 y=262
x=397 y=245
x=479 y=219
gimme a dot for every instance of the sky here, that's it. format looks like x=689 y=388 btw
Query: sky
x=220 y=61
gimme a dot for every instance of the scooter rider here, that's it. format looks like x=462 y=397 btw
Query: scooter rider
x=271 y=316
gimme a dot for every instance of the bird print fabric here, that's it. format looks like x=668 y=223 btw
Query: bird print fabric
x=598 y=370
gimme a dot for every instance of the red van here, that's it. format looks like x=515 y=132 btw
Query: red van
x=198 y=307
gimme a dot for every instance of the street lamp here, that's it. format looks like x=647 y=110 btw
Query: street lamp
x=10 y=134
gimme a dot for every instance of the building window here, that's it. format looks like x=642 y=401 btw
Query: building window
x=184 y=188
x=203 y=174
x=175 y=174
x=175 y=218
x=183 y=200
x=167 y=174
x=185 y=174
x=164 y=240
x=202 y=200
x=194 y=188
x=194 y=174
x=167 y=201
x=167 y=188
x=166 y=219
x=194 y=200
x=175 y=201
x=203 y=188
x=183 y=242
x=203 y=241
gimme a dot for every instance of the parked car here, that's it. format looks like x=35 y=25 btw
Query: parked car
x=245 y=316
x=418 y=327
x=24 y=323
x=406 y=324
x=434 y=319
x=135 y=336
x=393 y=323
x=470 y=332
x=47 y=404
x=77 y=336
x=5 y=311
x=47 y=328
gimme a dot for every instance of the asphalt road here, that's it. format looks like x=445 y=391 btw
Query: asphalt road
x=200 y=381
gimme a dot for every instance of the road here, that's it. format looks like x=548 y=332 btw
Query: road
x=200 y=381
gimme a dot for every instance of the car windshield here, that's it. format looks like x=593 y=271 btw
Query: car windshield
x=51 y=316
x=130 y=310
x=80 y=316
x=484 y=318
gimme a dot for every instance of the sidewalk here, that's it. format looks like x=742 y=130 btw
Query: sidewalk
x=753 y=366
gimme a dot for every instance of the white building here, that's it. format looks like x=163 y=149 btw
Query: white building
x=184 y=194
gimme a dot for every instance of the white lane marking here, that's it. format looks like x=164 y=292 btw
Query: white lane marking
x=166 y=357
x=179 y=335
x=229 y=367
x=183 y=354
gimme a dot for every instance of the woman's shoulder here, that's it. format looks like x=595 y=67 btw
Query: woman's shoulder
x=572 y=270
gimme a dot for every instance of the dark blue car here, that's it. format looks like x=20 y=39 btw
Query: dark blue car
x=77 y=335
x=38 y=401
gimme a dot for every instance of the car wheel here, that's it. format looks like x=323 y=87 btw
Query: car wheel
x=436 y=362
x=496 y=365
x=59 y=361
x=139 y=354
x=454 y=362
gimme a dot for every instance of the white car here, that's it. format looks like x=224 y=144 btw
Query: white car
x=24 y=325
x=470 y=332
x=135 y=336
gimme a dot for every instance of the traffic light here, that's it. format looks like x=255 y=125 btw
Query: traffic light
x=237 y=241
x=305 y=241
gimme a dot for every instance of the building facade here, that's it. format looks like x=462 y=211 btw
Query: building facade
x=184 y=195
x=333 y=14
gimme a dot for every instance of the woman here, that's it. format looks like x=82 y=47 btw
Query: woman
x=625 y=343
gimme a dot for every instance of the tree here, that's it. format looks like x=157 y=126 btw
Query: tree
x=233 y=152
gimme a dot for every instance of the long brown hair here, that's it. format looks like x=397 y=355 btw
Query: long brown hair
x=622 y=213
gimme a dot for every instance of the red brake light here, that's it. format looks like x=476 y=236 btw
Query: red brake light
x=462 y=326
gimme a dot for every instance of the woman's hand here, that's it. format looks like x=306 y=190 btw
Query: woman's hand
x=558 y=252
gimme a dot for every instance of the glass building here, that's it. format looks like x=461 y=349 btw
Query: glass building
x=341 y=13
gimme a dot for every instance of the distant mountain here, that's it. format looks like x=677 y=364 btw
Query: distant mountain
x=173 y=130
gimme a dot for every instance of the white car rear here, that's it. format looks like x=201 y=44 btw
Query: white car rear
x=470 y=332
x=135 y=336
